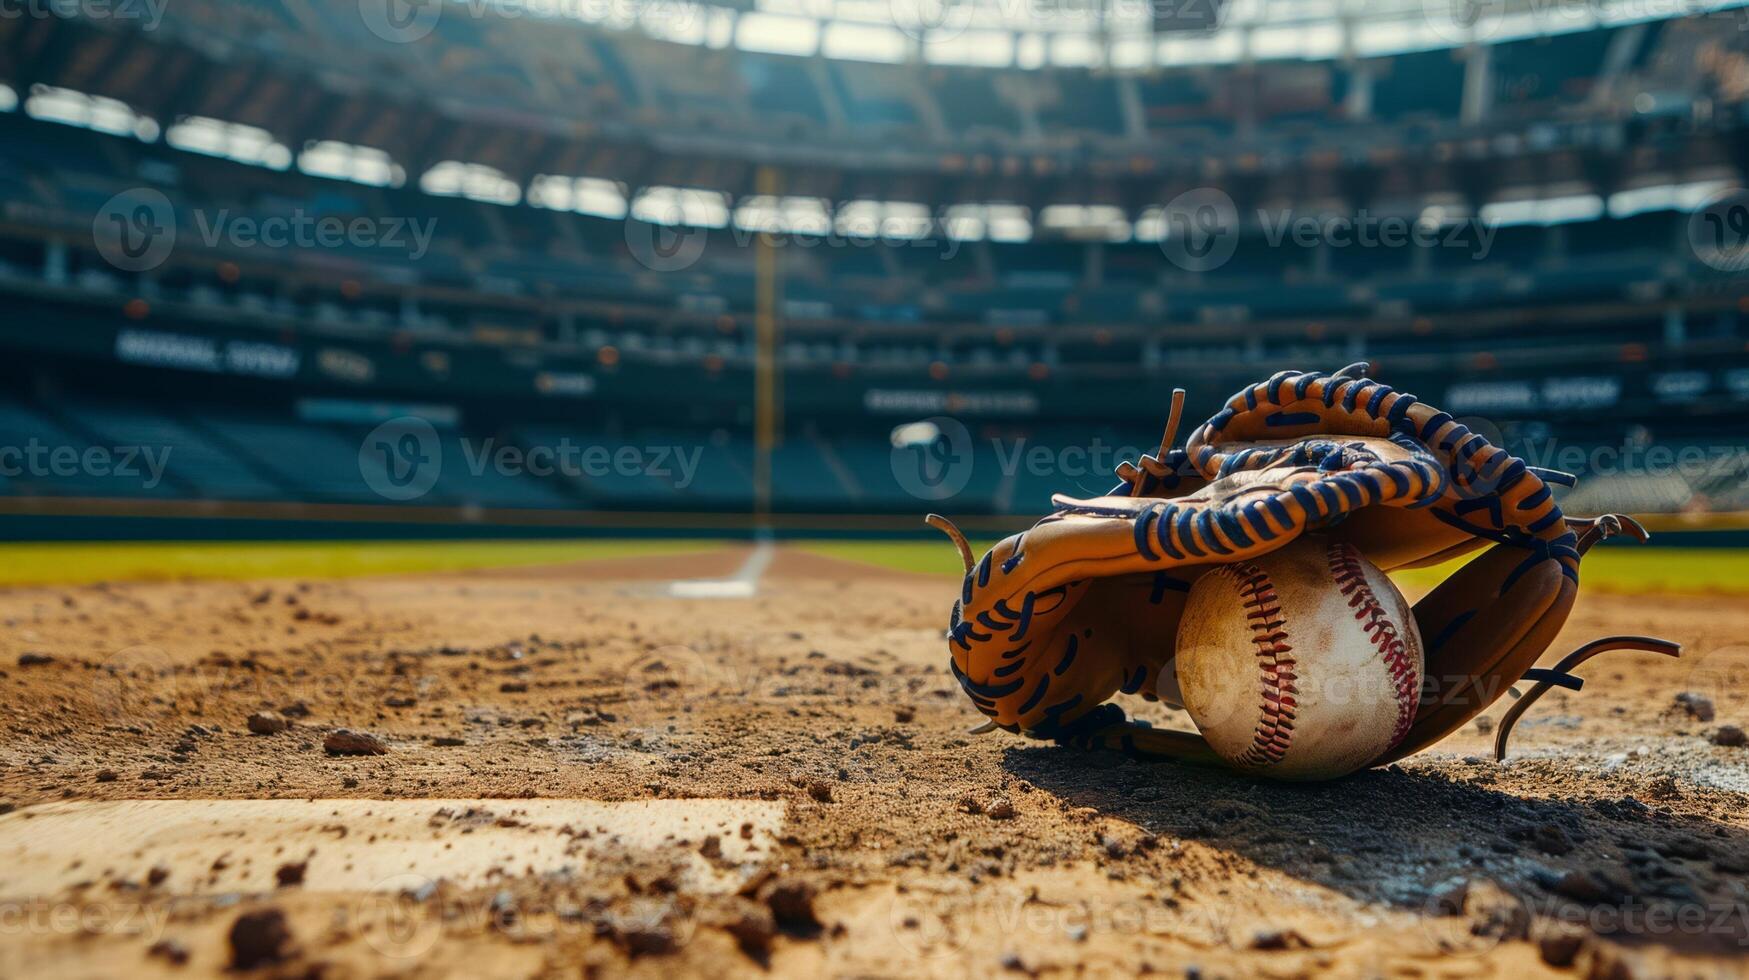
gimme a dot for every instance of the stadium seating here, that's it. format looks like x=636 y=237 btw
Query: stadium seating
x=518 y=301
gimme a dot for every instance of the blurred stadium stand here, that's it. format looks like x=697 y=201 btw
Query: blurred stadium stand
x=1017 y=275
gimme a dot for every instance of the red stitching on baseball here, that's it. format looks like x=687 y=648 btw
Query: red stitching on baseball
x=1350 y=576
x=1279 y=696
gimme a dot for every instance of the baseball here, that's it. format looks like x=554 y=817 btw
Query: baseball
x=1301 y=664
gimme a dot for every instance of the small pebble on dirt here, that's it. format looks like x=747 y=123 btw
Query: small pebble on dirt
x=291 y=873
x=1550 y=838
x=792 y=906
x=259 y=938
x=268 y=723
x=753 y=929
x=1560 y=946
x=645 y=938
x=1729 y=736
x=170 y=951
x=1587 y=886
x=1279 y=939
x=343 y=741
x=34 y=659
x=1698 y=706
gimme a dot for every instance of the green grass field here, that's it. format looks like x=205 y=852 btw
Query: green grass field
x=1612 y=568
x=83 y=562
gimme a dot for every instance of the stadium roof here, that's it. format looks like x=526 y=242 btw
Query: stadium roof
x=1122 y=34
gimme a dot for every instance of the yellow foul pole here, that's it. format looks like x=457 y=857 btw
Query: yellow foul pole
x=767 y=406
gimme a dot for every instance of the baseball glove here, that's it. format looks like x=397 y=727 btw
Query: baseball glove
x=1053 y=622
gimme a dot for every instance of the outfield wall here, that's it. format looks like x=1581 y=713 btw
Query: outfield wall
x=63 y=519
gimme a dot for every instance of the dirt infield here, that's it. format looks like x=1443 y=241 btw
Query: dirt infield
x=548 y=736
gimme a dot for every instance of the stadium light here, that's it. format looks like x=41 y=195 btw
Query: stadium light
x=1665 y=197
x=1087 y=222
x=776 y=34
x=1543 y=211
x=345 y=161
x=793 y=215
x=995 y=222
x=864 y=42
x=690 y=206
x=71 y=107
x=989 y=49
x=229 y=141
x=474 y=181
x=903 y=220
x=584 y=195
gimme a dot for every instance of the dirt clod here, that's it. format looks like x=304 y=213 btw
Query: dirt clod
x=347 y=742
x=1696 y=706
x=1559 y=946
x=1279 y=939
x=260 y=938
x=754 y=927
x=268 y=723
x=792 y=906
x=170 y=951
